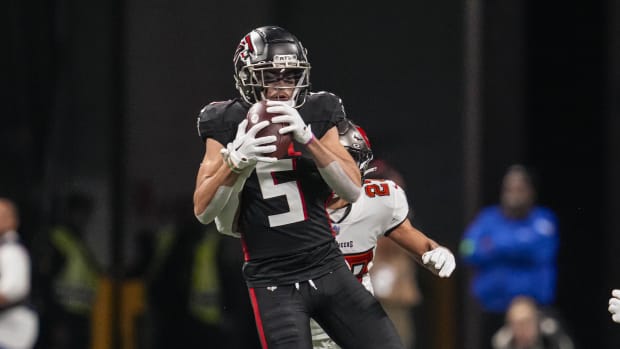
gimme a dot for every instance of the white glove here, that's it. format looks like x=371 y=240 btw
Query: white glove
x=245 y=150
x=440 y=261
x=614 y=305
x=287 y=114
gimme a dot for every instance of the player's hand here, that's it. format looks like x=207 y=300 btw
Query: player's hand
x=440 y=261
x=245 y=150
x=289 y=115
x=614 y=305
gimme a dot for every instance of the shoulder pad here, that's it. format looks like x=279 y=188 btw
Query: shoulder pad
x=323 y=110
x=219 y=120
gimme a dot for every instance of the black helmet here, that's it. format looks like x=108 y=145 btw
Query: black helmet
x=355 y=140
x=270 y=48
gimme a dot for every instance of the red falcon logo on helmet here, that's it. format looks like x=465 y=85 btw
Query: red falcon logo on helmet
x=244 y=49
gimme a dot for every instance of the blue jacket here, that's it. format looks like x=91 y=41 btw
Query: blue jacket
x=512 y=257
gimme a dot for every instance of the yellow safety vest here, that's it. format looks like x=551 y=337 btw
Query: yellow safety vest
x=76 y=285
x=165 y=240
x=204 y=301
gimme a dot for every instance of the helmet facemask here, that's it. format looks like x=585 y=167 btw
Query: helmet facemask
x=255 y=80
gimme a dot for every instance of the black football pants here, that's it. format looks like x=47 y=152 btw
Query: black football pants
x=349 y=314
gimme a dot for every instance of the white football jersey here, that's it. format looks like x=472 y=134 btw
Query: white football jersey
x=381 y=207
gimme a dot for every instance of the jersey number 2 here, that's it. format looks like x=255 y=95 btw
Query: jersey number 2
x=270 y=188
x=377 y=189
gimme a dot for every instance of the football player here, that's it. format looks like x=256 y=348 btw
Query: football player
x=381 y=210
x=293 y=267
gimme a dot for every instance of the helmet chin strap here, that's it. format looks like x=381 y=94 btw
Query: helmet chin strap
x=369 y=171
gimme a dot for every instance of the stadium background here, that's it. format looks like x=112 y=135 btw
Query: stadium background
x=103 y=96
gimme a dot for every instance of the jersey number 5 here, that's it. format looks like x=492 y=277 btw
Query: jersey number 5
x=270 y=188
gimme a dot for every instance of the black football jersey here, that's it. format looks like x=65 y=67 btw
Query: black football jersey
x=285 y=230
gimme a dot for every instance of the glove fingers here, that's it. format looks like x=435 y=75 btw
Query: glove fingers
x=447 y=269
x=266 y=158
x=440 y=260
x=271 y=102
x=241 y=128
x=286 y=119
x=264 y=149
x=434 y=256
x=426 y=257
x=279 y=109
x=263 y=140
x=256 y=128
x=443 y=272
x=287 y=129
x=615 y=293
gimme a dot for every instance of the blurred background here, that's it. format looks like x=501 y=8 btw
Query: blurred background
x=101 y=97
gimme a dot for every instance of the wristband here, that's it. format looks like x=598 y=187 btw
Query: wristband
x=307 y=130
x=231 y=166
x=310 y=140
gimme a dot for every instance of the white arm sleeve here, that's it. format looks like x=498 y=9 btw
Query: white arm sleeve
x=226 y=220
x=339 y=181
x=14 y=272
x=219 y=200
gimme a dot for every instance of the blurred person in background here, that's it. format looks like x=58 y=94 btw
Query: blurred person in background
x=528 y=328
x=381 y=210
x=68 y=277
x=183 y=307
x=512 y=249
x=18 y=321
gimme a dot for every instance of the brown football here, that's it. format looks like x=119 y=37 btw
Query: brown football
x=258 y=113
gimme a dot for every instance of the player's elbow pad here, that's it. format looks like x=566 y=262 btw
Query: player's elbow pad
x=340 y=182
x=215 y=206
